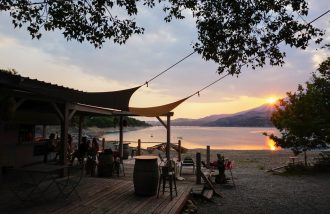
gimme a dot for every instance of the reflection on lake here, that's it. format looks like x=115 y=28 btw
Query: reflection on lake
x=236 y=138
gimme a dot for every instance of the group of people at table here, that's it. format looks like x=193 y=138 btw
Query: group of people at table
x=86 y=148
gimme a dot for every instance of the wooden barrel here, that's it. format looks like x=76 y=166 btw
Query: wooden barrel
x=105 y=165
x=125 y=151
x=145 y=176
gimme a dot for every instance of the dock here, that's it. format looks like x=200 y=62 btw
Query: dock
x=102 y=195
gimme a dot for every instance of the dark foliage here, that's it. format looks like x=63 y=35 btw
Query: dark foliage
x=231 y=33
x=304 y=117
x=104 y=122
x=9 y=71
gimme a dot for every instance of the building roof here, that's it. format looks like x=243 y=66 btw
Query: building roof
x=117 y=100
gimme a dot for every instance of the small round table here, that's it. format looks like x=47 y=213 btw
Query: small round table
x=146 y=175
x=293 y=159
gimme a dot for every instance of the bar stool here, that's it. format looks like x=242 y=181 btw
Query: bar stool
x=167 y=173
x=118 y=167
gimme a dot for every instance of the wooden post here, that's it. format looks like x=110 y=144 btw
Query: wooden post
x=81 y=120
x=168 y=141
x=120 y=137
x=208 y=156
x=198 y=168
x=44 y=131
x=138 y=153
x=103 y=144
x=179 y=152
x=168 y=130
x=64 y=135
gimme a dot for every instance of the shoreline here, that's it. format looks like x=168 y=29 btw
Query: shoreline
x=99 y=132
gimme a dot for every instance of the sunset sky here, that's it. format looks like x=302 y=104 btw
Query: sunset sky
x=114 y=67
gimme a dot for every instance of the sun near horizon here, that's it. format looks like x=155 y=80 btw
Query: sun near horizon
x=272 y=100
x=271 y=144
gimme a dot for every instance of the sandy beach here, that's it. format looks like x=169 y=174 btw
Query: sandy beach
x=259 y=191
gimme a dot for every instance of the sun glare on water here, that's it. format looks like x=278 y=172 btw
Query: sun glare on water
x=271 y=145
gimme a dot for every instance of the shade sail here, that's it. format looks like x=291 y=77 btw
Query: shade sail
x=118 y=100
x=114 y=99
x=157 y=110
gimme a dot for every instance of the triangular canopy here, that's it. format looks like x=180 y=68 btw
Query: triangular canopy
x=118 y=100
x=114 y=99
x=157 y=110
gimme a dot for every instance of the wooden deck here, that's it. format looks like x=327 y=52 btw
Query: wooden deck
x=101 y=195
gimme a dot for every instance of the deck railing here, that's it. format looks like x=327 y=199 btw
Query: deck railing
x=137 y=145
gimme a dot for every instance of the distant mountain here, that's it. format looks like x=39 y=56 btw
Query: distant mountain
x=256 y=117
x=197 y=122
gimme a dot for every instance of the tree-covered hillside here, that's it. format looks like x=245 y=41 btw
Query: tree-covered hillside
x=103 y=122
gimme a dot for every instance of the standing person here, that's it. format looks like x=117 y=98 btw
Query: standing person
x=221 y=177
x=69 y=151
x=49 y=146
x=82 y=149
x=95 y=146
x=92 y=156
x=57 y=148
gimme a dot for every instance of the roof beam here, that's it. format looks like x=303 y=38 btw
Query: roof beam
x=162 y=122
x=58 y=111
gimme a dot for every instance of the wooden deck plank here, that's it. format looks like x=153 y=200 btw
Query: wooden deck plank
x=122 y=198
x=75 y=209
x=100 y=195
x=174 y=206
x=106 y=201
x=165 y=201
x=134 y=201
x=143 y=202
x=105 y=194
x=99 y=210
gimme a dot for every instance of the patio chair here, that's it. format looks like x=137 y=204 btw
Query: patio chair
x=20 y=184
x=229 y=166
x=167 y=174
x=69 y=184
x=187 y=162
x=162 y=161
x=118 y=167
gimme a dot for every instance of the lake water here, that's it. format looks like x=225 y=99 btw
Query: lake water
x=236 y=138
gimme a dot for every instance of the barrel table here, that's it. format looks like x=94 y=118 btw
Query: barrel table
x=125 y=151
x=145 y=176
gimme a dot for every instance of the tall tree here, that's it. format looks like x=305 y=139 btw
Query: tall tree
x=231 y=33
x=303 y=118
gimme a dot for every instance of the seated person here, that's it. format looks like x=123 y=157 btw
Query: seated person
x=49 y=146
x=81 y=152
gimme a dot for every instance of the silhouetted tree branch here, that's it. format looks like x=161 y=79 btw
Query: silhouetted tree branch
x=303 y=118
x=231 y=33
